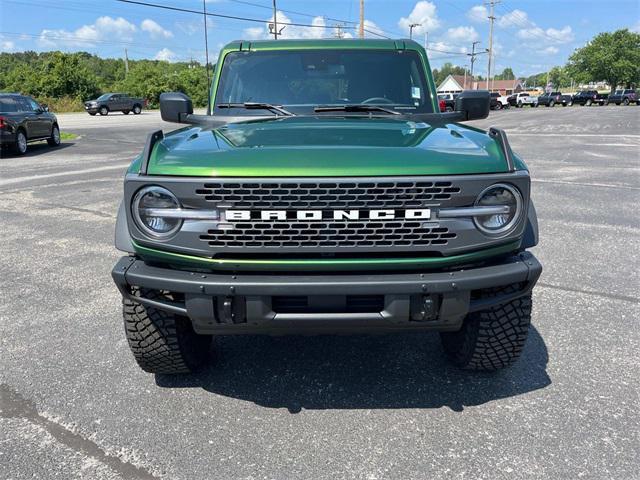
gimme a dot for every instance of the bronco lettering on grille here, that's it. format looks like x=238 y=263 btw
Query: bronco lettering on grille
x=283 y=215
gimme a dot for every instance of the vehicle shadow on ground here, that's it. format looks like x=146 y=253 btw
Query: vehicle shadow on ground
x=333 y=372
x=37 y=149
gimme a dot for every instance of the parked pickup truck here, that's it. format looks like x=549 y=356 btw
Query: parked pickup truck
x=498 y=102
x=589 y=97
x=114 y=102
x=624 y=97
x=551 y=99
x=521 y=99
x=449 y=100
x=325 y=193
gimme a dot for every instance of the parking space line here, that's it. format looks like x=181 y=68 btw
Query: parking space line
x=585 y=184
x=570 y=135
x=613 y=296
x=11 y=181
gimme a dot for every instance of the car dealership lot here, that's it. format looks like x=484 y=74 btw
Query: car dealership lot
x=75 y=405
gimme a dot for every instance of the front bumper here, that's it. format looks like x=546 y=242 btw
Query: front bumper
x=226 y=303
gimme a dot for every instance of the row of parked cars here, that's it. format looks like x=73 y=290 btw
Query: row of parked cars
x=549 y=99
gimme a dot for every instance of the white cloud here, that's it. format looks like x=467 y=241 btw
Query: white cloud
x=289 y=31
x=154 y=29
x=551 y=50
x=7 y=45
x=87 y=35
x=423 y=14
x=462 y=34
x=478 y=14
x=166 y=55
x=516 y=17
x=370 y=29
x=444 y=49
x=554 y=35
x=636 y=27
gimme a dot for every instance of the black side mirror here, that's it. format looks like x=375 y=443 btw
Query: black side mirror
x=474 y=104
x=175 y=106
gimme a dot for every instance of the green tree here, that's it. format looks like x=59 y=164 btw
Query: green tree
x=64 y=74
x=559 y=77
x=614 y=57
x=507 y=74
x=447 y=69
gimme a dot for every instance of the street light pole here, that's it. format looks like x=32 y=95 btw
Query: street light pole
x=411 y=27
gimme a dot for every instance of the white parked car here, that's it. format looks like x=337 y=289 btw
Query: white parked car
x=498 y=102
x=521 y=99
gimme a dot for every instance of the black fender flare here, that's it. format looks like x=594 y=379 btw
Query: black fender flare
x=123 y=239
x=530 y=238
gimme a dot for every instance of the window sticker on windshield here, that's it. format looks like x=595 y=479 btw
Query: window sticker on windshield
x=415 y=93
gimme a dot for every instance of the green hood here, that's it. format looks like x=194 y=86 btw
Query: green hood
x=327 y=147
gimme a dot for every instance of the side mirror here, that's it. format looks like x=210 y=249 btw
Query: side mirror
x=474 y=104
x=175 y=106
x=45 y=107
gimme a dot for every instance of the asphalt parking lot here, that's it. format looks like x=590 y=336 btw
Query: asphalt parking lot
x=75 y=404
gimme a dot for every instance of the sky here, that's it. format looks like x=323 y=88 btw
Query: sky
x=530 y=37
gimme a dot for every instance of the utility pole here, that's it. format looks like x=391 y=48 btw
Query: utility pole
x=361 y=29
x=126 y=63
x=473 y=57
x=426 y=40
x=206 y=55
x=275 y=21
x=338 y=28
x=411 y=27
x=492 y=18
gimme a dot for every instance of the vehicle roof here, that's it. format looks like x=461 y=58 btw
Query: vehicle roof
x=333 y=43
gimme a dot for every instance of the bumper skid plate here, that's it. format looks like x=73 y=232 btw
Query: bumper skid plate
x=224 y=303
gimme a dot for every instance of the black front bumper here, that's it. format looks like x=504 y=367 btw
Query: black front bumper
x=328 y=303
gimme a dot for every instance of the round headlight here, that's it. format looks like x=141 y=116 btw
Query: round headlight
x=499 y=195
x=147 y=207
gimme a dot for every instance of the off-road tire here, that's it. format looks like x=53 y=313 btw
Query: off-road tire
x=103 y=111
x=54 y=139
x=162 y=342
x=490 y=339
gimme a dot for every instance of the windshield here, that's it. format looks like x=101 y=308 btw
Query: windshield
x=104 y=97
x=618 y=92
x=302 y=80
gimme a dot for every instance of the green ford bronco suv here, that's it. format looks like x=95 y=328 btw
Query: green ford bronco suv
x=324 y=192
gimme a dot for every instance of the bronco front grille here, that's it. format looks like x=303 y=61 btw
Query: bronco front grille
x=328 y=195
x=363 y=233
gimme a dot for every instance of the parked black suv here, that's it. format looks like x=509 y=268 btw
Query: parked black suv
x=23 y=120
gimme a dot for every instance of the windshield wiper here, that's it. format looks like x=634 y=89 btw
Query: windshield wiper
x=258 y=106
x=357 y=107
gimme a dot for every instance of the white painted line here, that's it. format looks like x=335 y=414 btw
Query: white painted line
x=11 y=181
x=570 y=135
x=585 y=184
x=611 y=145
